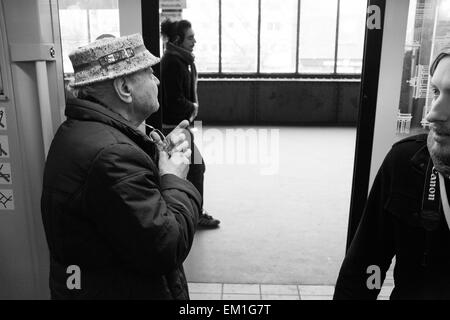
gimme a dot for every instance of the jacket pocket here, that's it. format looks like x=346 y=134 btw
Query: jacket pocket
x=405 y=209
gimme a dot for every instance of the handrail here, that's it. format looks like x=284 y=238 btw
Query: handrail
x=44 y=104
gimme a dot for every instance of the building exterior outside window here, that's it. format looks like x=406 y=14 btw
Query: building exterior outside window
x=82 y=21
x=428 y=32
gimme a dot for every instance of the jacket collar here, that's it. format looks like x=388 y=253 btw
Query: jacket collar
x=86 y=110
x=185 y=55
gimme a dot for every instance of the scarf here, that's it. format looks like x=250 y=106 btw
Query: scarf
x=188 y=58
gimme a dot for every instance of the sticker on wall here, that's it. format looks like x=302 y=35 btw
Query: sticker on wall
x=6 y=199
x=5 y=173
x=3 y=125
x=4 y=147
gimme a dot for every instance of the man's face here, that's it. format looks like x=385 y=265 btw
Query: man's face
x=145 y=94
x=189 y=40
x=439 y=117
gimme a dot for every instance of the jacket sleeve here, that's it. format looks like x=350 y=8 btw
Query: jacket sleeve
x=172 y=79
x=150 y=226
x=373 y=245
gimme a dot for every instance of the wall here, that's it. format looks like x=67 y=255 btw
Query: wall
x=28 y=28
x=288 y=102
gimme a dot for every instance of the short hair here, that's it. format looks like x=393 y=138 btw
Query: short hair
x=101 y=89
x=173 y=29
x=445 y=52
x=95 y=90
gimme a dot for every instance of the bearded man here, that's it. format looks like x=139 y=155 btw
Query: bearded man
x=407 y=214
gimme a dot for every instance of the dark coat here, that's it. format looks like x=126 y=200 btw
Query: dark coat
x=393 y=224
x=177 y=89
x=106 y=209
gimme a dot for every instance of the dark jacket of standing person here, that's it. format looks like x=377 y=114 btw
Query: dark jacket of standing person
x=393 y=224
x=178 y=84
x=106 y=209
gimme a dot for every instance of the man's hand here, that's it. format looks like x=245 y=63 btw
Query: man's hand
x=177 y=163
x=174 y=151
x=175 y=138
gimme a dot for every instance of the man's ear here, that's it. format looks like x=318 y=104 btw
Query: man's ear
x=123 y=90
x=177 y=40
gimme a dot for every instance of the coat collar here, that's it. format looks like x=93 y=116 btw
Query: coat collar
x=420 y=159
x=86 y=110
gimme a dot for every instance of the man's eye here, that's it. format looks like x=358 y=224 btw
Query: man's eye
x=435 y=92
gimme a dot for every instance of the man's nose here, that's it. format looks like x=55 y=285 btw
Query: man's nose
x=156 y=80
x=440 y=110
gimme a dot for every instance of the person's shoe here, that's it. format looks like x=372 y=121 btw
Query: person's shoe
x=207 y=221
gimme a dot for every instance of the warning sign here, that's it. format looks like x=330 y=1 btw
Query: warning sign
x=3 y=125
x=5 y=173
x=4 y=147
x=6 y=200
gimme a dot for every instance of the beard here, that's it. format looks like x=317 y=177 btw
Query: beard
x=440 y=153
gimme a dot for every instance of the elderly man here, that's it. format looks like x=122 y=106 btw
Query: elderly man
x=408 y=214
x=119 y=223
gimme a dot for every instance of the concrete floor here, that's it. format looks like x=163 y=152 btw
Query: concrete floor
x=285 y=228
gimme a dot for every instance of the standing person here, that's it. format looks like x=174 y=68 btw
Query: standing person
x=109 y=211
x=407 y=214
x=179 y=95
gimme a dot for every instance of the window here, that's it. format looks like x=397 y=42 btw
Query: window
x=317 y=36
x=239 y=35
x=206 y=28
x=290 y=37
x=352 y=16
x=83 y=21
x=278 y=36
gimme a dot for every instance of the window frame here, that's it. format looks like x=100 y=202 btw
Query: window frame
x=293 y=75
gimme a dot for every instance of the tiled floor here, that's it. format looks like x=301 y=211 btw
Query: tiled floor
x=225 y=291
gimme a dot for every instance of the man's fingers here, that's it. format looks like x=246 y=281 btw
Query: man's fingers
x=175 y=139
x=163 y=155
x=157 y=139
x=182 y=147
x=182 y=125
x=188 y=153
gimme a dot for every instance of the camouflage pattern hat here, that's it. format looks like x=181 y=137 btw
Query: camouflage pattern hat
x=110 y=58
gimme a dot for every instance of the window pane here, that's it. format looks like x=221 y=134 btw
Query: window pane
x=239 y=35
x=278 y=35
x=104 y=21
x=204 y=16
x=317 y=36
x=74 y=33
x=352 y=25
x=83 y=21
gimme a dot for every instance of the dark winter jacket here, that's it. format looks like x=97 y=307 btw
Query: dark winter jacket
x=178 y=88
x=106 y=210
x=393 y=224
